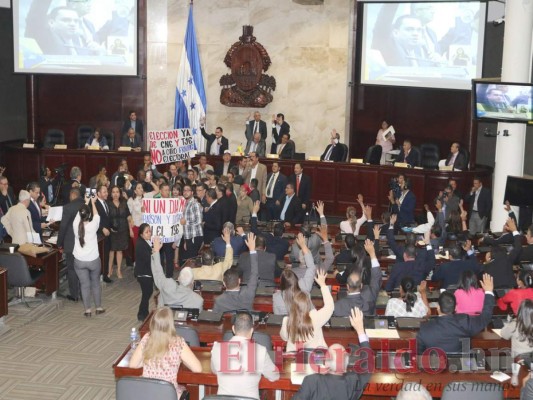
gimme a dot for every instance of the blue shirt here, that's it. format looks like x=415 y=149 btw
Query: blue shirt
x=285 y=206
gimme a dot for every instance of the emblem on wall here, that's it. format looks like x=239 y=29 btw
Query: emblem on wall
x=247 y=85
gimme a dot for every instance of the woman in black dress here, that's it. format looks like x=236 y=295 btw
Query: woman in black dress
x=143 y=269
x=121 y=228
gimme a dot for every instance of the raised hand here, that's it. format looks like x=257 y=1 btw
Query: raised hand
x=507 y=206
x=487 y=283
x=157 y=243
x=256 y=207
x=202 y=120
x=368 y=212
x=464 y=214
x=323 y=232
x=369 y=247
x=511 y=225
x=240 y=230
x=300 y=241
x=393 y=219
x=423 y=286
x=226 y=235
x=250 y=241
x=319 y=207
x=357 y=320
x=426 y=207
x=320 y=278
x=377 y=231
x=360 y=199
x=273 y=118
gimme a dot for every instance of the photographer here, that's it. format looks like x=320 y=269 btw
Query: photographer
x=402 y=201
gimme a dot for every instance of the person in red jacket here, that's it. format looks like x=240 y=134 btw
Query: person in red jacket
x=515 y=296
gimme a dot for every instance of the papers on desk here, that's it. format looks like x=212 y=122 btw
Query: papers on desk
x=33 y=237
x=52 y=240
x=382 y=333
x=500 y=376
x=55 y=213
x=497 y=332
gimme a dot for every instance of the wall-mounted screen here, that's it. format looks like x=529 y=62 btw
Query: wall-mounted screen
x=422 y=44
x=502 y=101
x=519 y=191
x=80 y=37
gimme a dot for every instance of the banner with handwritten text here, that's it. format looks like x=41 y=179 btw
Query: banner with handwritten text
x=164 y=215
x=171 y=146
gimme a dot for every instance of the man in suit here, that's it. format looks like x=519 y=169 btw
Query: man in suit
x=17 y=220
x=302 y=185
x=65 y=241
x=255 y=125
x=404 y=206
x=456 y=159
x=104 y=229
x=290 y=207
x=133 y=122
x=34 y=208
x=47 y=184
x=286 y=148
x=75 y=182
x=338 y=383
x=449 y=273
x=417 y=266
x=235 y=298
x=279 y=127
x=7 y=197
x=216 y=142
x=275 y=242
x=333 y=151
x=213 y=217
x=450 y=331
x=254 y=361
x=361 y=296
x=256 y=145
x=480 y=206
x=236 y=240
x=408 y=154
x=211 y=271
x=222 y=168
x=266 y=263
x=133 y=140
x=258 y=171
x=275 y=187
x=526 y=252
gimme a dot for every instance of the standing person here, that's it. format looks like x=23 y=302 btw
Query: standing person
x=386 y=141
x=275 y=188
x=132 y=122
x=161 y=351
x=258 y=171
x=193 y=234
x=279 y=127
x=104 y=227
x=245 y=206
x=480 y=204
x=86 y=258
x=216 y=142
x=135 y=205
x=121 y=225
x=143 y=269
x=255 y=125
x=302 y=185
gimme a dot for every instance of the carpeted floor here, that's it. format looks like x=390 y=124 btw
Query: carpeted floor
x=54 y=352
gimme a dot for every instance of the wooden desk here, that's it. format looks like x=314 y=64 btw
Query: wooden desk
x=3 y=292
x=49 y=262
x=381 y=384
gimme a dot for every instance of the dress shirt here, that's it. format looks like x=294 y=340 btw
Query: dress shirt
x=285 y=206
x=280 y=147
x=38 y=207
x=215 y=148
x=328 y=154
x=253 y=147
x=474 y=207
x=253 y=172
x=452 y=159
x=270 y=185
x=193 y=217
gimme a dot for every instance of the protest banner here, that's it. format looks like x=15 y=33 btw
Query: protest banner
x=171 y=146
x=163 y=216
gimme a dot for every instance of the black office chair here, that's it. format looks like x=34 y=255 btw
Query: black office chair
x=137 y=388
x=344 y=152
x=430 y=155
x=472 y=391
x=466 y=153
x=20 y=276
x=84 y=132
x=373 y=155
x=53 y=136
x=293 y=148
x=110 y=137
x=189 y=335
x=259 y=337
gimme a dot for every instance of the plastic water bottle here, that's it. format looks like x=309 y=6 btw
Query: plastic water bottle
x=134 y=338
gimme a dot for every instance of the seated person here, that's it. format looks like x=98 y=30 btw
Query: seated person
x=290 y=207
x=410 y=304
x=96 y=139
x=161 y=351
x=211 y=271
x=456 y=159
x=304 y=324
x=447 y=331
x=244 y=205
x=300 y=267
x=275 y=242
x=515 y=297
x=449 y=273
x=408 y=155
x=266 y=263
x=526 y=253
x=361 y=296
x=133 y=140
x=519 y=329
x=337 y=383
x=172 y=292
x=235 y=298
x=333 y=151
x=218 y=245
x=256 y=145
x=345 y=255
x=352 y=224
x=246 y=382
x=469 y=297
x=285 y=149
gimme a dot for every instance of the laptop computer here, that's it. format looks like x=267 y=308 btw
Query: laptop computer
x=211 y=286
x=210 y=316
x=379 y=322
x=408 y=322
x=275 y=320
x=183 y=314
x=340 y=323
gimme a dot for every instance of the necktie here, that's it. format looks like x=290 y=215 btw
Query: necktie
x=131 y=142
x=298 y=185
x=106 y=208
x=270 y=184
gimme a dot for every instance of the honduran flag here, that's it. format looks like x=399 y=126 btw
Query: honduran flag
x=191 y=102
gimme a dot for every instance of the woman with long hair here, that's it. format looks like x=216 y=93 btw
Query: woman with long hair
x=352 y=224
x=515 y=297
x=143 y=269
x=520 y=330
x=410 y=303
x=135 y=204
x=304 y=324
x=387 y=142
x=469 y=296
x=161 y=351
x=97 y=139
x=121 y=226
x=86 y=257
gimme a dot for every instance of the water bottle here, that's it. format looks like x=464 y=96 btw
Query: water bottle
x=134 y=338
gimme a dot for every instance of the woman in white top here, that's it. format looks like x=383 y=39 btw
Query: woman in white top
x=386 y=144
x=352 y=224
x=96 y=139
x=135 y=205
x=409 y=304
x=86 y=257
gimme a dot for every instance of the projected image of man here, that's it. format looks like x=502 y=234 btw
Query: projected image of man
x=406 y=48
x=496 y=101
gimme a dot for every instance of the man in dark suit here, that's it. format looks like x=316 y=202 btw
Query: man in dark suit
x=456 y=159
x=333 y=151
x=222 y=168
x=275 y=242
x=65 y=241
x=286 y=148
x=417 y=266
x=212 y=217
x=75 y=181
x=216 y=142
x=404 y=206
x=449 y=273
x=133 y=140
x=47 y=184
x=361 y=296
x=275 y=187
x=302 y=185
x=34 y=208
x=7 y=196
x=266 y=263
x=133 y=122
x=526 y=252
x=409 y=155
x=480 y=206
x=450 y=330
x=279 y=127
x=255 y=125
x=337 y=383
x=104 y=229
x=290 y=207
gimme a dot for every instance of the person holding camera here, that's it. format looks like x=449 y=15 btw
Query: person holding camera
x=403 y=201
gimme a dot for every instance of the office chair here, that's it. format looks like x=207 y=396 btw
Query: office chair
x=189 y=335
x=472 y=391
x=53 y=136
x=344 y=152
x=430 y=155
x=373 y=155
x=84 y=132
x=137 y=388
x=20 y=276
x=110 y=137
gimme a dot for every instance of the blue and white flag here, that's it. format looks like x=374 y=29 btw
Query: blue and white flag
x=191 y=103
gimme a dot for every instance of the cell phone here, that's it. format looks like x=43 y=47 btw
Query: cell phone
x=90 y=192
x=149 y=175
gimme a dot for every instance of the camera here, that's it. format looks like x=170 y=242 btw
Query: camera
x=395 y=187
x=60 y=170
x=90 y=192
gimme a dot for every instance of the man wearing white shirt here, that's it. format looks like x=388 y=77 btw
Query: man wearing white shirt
x=216 y=142
x=257 y=145
x=255 y=125
x=258 y=171
x=456 y=159
x=275 y=186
